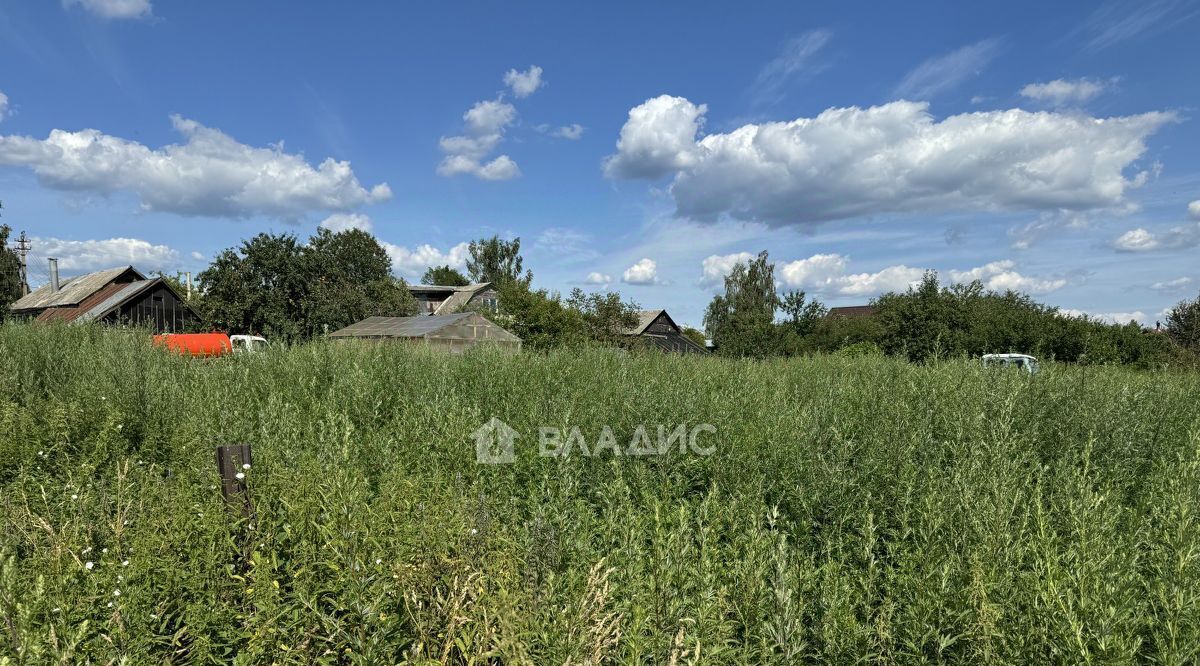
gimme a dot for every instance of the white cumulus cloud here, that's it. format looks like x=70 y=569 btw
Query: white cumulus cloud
x=1194 y=210
x=894 y=158
x=658 y=139
x=210 y=174
x=1061 y=92
x=484 y=127
x=1002 y=276
x=827 y=274
x=114 y=9
x=82 y=256
x=339 y=222
x=3 y=105
x=1176 y=238
x=598 y=278
x=412 y=263
x=715 y=267
x=524 y=84
x=645 y=271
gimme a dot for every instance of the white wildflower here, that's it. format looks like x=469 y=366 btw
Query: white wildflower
x=378 y=561
x=239 y=476
x=110 y=604
x=474 y=531
x=74 y=497
x=246 y=466
x=89 y=565
x=103 y=550
x=125 y=563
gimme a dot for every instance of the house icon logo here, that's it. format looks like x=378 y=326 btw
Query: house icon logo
x=494 y=443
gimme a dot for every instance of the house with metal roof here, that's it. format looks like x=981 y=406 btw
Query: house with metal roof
x=120 y=296
x=436 y=299
x=453 y=332
x=655 y=327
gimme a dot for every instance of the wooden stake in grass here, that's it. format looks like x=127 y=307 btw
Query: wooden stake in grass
x=233 y=463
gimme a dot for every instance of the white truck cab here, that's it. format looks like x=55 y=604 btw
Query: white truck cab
x=247 y=343
x=1022 y=361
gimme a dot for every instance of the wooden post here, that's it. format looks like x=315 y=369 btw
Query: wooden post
x=233 y=463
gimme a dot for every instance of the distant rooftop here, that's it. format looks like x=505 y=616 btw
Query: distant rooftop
x=851 y=311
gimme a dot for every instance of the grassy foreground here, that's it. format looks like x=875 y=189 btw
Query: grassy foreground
x=854 y=510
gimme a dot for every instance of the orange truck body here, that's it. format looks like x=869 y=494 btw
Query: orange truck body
x=201 y=345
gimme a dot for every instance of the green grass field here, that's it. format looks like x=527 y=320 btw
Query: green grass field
x=854 y=510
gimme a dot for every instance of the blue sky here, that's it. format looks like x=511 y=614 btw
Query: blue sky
x=642 y=147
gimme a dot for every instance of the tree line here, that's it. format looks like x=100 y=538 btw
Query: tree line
x=278 y=286
x=932 y=321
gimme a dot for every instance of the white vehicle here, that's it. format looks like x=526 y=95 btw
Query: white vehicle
x=1023 y=361
x=247 y=343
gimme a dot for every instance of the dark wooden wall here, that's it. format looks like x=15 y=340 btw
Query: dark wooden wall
x=666 y=336
x=157 y=308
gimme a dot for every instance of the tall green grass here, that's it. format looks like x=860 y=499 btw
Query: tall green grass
x=855 y=510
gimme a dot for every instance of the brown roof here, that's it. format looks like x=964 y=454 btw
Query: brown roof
x=850 y=311
x=72 y=291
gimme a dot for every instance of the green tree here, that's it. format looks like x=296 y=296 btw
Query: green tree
x=10 y=273
x=695 y=335
x=445 y=276
x=802 y=315
x=605 y=316
x=257 y=289
x=274 y=286
x=348 y=278
x=741 y=321
x=497 y=261
x=1183 y=324
x=919 y=323
x=538 y=317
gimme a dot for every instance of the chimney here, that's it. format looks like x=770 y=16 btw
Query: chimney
x=189 y=286
x=53 y=275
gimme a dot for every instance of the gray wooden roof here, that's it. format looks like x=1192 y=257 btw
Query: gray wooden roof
x=645 y=318
x=71 y=291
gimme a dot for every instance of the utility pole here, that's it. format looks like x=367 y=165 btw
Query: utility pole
x=22 y=250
